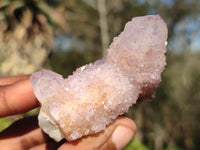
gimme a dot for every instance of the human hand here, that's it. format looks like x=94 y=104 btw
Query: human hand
x=16 y=97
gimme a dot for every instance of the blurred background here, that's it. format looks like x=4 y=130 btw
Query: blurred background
x=62 y=35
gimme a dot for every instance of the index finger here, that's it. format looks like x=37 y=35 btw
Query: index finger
x=12 y=79
x=17 y=98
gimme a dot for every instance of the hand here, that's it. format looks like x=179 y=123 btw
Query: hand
x=16 y=96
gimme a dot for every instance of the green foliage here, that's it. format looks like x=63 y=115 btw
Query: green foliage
x=175 y=148
x=31 y=112
x=4 y=123
x=7 y=121
x=136 y=145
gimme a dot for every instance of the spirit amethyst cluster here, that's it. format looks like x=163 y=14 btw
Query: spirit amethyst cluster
x=91 y=98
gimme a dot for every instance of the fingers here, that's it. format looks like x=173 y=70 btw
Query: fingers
x=17 y=98
x=116 y=136
x=23 y=134
x=10 y=80
x=50 y=145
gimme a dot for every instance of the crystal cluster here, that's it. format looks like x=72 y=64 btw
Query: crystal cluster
x=91 y=98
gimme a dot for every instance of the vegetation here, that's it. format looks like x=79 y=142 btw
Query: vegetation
x=136 y=145
x=26 y=35
x=171 y=120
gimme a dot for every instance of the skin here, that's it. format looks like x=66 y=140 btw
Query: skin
x=16 y=97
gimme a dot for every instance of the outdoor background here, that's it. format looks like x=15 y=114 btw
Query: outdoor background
x=62 y=35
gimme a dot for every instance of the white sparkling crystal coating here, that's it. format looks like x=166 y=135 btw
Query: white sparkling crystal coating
x=97 y=93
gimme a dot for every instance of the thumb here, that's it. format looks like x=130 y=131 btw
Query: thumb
x=116 y=136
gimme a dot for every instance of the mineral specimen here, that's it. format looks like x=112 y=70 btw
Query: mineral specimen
x=91 y=98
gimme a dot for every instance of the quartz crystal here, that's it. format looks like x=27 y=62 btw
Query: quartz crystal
x=90 y=99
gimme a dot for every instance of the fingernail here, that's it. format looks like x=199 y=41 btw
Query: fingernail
x=122 y=136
